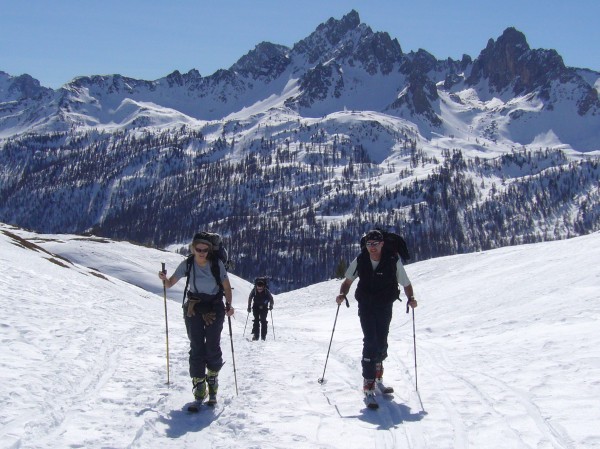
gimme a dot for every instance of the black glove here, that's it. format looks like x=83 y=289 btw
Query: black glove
x=249 y=309
x=270 y=307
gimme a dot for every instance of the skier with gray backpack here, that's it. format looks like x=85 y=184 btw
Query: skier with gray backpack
x=379 y=270
x=207 y=284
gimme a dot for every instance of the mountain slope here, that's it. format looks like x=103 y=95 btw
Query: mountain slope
x=503 y=358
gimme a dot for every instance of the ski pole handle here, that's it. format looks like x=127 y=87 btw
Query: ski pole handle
x=408 y=300
x=345 y=299
x=164 y=270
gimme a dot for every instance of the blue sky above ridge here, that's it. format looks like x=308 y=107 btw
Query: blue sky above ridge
x=58 y=41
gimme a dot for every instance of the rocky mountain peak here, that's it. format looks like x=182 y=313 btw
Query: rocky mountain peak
x=191 y=78
x=21 y=87
x=334 y=30
x=510 y=61
x=349 y=41
x=319 y=44
x=265 y=60
x=377 y=52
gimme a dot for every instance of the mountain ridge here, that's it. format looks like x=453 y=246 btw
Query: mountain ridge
x=337 y=66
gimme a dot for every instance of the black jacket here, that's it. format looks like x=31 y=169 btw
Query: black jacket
x=379 y=285
x=262 y=299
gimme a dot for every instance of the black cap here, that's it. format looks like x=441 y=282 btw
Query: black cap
x=374 y=235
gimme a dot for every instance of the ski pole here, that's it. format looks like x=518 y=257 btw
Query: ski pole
x=232 y=354
x=415 y=349
x=248 y=316
x=322 y=379
x=273 y=325
x=166 y=322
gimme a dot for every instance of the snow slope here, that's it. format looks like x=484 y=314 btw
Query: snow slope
x=508 y=355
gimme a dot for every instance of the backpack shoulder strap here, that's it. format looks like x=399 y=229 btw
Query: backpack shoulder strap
x=188 y=268
x=216 y=272
x=214 y=269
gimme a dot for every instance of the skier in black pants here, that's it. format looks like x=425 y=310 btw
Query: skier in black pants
x=379 y=272
x=204 y=313
x=263 y=302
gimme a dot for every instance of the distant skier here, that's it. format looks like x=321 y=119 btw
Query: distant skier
x=379 y=271
x=263 y=302
x=204 y=314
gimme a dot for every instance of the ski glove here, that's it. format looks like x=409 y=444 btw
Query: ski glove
x=249 y=309
x=209 y=318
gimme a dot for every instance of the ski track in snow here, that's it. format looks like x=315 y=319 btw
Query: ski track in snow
x=84 y=366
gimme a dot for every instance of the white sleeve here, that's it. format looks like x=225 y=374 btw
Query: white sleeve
x=351 y=272
x=401 y=274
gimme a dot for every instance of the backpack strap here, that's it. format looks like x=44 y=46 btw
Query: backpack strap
x=188 y=268
x=214 y=269
x=216 y=272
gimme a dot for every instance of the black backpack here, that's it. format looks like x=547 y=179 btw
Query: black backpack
x=393 y=242
x=264 y=280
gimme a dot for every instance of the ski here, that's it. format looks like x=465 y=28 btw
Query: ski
x=370 y=401
x=383 y=388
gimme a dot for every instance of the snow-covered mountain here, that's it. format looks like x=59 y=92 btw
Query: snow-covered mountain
x=343 y=64
x=507 y=355
x=292 y=153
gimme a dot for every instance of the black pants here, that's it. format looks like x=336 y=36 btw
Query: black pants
x=205 y=341
x=260 y=322
x=375 y=322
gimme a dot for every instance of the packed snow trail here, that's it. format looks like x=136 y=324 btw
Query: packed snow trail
x=507 y=345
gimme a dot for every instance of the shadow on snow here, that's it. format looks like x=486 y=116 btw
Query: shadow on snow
x=389 y=415
x=180 y=422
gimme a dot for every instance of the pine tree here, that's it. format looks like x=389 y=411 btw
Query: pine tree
x=340 y=269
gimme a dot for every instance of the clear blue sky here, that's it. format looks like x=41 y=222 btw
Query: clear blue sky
x=57 y=40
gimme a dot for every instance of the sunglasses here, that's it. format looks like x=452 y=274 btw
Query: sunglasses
x=201 y=250
x=373 y=244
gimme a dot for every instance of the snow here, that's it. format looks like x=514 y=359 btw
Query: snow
x=508 y=355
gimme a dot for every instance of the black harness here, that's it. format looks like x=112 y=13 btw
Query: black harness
x=214 y=269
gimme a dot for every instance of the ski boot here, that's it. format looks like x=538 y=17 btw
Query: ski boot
x=379 y=371
x=199 y=391
x=379 y=379
x=369 y=391
x=199 y=388
x=212 y=379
